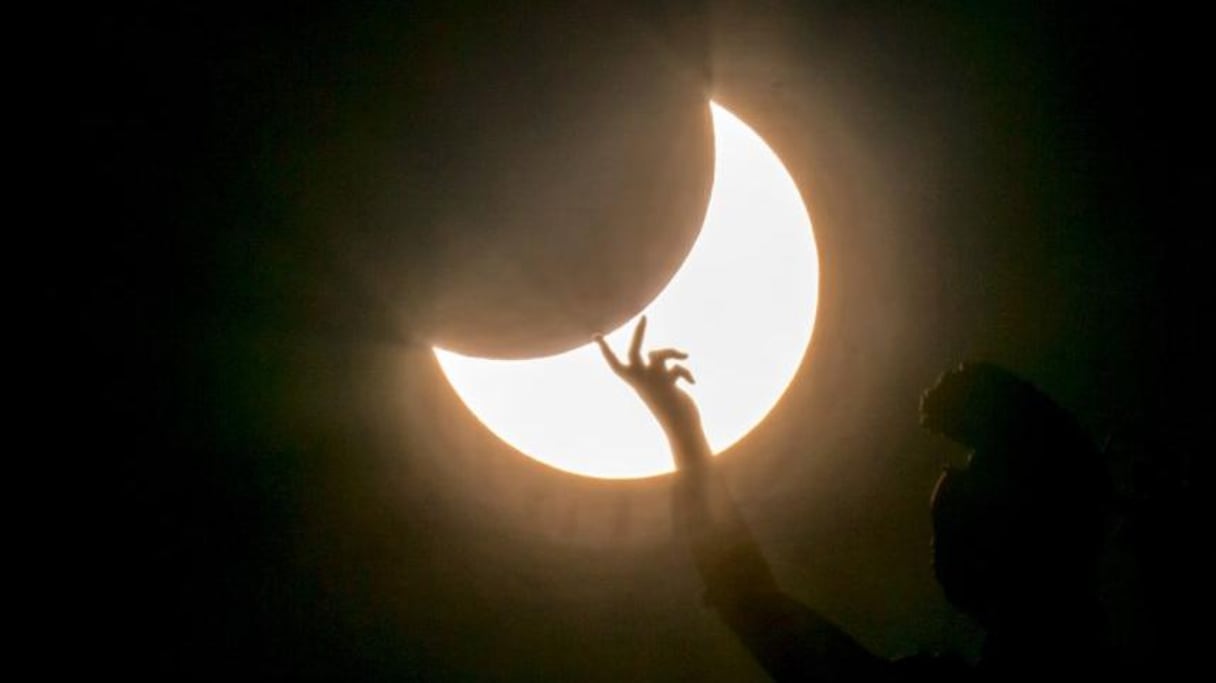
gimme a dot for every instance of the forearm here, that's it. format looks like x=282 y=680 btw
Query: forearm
x=725 y=554
x=689 y=446
x=791 y=641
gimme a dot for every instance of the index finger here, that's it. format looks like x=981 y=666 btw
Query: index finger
x=613 y=361
x=635 y=347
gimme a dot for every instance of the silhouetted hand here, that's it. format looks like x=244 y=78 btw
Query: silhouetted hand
x=655 y=381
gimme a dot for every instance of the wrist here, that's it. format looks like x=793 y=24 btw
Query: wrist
x=689 y=446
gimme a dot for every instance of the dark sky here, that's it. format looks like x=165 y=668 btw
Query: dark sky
x=275 y=213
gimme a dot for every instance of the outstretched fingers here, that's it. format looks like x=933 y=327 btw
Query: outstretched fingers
x=675 y=372
x=635 y=346
x=609 y=355
x=659 y=357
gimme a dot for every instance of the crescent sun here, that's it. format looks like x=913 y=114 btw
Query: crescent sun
x=742 y=305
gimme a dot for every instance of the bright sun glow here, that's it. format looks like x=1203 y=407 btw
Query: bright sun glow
x=742 y=305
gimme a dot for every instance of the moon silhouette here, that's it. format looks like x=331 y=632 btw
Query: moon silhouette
x=742 y=305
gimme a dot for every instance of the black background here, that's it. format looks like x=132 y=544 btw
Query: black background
x=268 y=215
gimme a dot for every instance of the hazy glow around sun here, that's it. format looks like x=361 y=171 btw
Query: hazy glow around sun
x=742 y=305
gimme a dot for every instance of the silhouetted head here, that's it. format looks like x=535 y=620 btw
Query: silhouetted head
x=1023 y=521
x=981 y=405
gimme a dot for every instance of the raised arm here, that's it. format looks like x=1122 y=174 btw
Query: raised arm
x=789 y=640
x=725 y=554
x=655 y=382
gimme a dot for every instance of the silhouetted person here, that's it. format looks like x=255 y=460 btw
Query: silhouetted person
x=1018 y=532
x=1015 y=534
